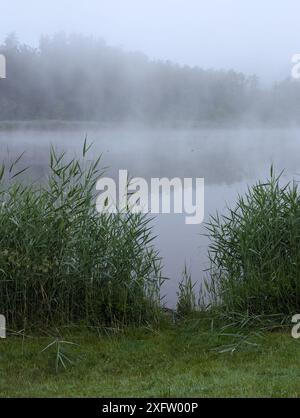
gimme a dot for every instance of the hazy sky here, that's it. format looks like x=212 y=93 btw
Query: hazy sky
x=253 y=36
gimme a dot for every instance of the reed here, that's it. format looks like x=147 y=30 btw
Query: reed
x=186 y=303
x=62 y=262
x=255 y=251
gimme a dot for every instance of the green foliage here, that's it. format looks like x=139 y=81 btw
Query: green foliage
x=255 y=251
x=186 y=303
x=62 y=262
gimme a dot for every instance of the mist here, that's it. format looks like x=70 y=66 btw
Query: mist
x=79 y=78
x=251 y=37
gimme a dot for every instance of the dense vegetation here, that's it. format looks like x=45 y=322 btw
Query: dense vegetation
x=62 y=262
x=255 y=251
x=81 y=79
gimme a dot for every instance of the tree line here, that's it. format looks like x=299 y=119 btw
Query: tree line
x=77 y=78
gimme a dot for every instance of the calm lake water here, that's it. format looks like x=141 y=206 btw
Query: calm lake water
x=228 y=160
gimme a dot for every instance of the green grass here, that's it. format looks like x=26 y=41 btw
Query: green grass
x=169 y=362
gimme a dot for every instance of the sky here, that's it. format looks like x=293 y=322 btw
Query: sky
x=252 y=36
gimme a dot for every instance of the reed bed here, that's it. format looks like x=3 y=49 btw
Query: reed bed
x=61 y=262
x=255 y=251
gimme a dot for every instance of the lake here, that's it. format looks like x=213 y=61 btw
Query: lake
x=228 y=160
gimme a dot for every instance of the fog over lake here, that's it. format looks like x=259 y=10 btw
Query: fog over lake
x=228 y=159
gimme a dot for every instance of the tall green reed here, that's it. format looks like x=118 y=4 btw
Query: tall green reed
x=255 y=251
x=186 y=303
x=62 y=262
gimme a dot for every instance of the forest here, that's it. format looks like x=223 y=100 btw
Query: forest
x=80 y=78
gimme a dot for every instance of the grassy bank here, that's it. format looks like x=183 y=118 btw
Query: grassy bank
x=174 y=361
